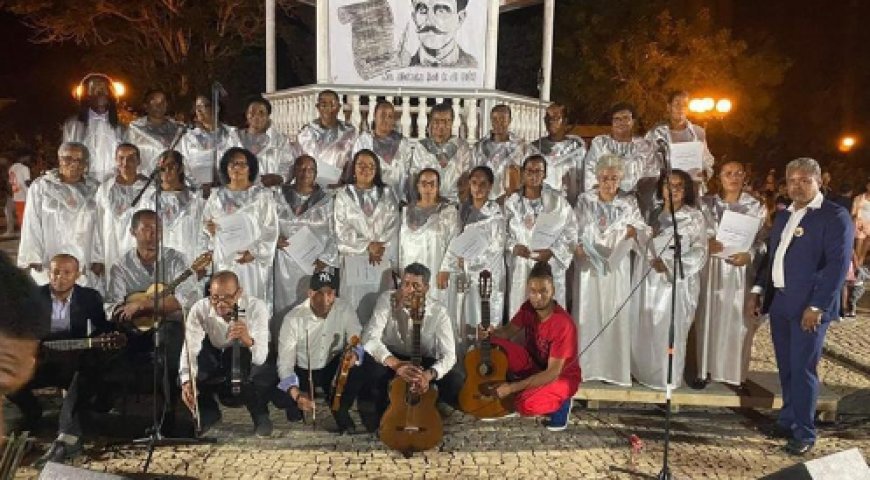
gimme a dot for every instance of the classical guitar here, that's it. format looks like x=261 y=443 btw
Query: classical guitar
x=341 y=375
x=411 y=422
x=108 y=341
x=147 y=321
x=485 y=367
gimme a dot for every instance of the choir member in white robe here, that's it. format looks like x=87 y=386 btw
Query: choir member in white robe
x=251 y=207
x=392 y=148
x=554 y=241
x=155 y=132
x=60 y=217
x=302 y=204
x=638 y=153
x=366 y=228
x=723 y=327
x=608 y=220
x=649 y=339
x=448 y=154
x=564 y=153
x=115 y=207
x=197 y=146
x=96 y=125
x=328 y=139
x=678 y=129
x=429 y=224
x=500 y=151
x=181 y=210
x=274 y=150
x=485 y=216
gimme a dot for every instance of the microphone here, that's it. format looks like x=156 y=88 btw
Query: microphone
x=217 y=87
x=665 y=149
x=663 y=144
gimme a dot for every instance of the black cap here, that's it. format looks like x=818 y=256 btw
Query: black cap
x=323 y=279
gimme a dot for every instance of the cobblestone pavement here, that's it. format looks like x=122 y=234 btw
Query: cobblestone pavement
x=706 y=443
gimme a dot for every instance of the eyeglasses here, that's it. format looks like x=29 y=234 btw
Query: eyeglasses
x=237 y=165
x=68 y=159
x=223 y=298
x=534 y=171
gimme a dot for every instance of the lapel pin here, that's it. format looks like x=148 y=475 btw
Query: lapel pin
x=799 y=231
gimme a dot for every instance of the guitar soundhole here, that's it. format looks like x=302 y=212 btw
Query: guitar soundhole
x=412 y=398
x=484 y=369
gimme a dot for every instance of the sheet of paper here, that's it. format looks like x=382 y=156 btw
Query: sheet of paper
x=235 y=233
x=547 y=229
x=358 y=270
x=687 y=155
x=469 y=244
x=201 y=168
x=327 y=174
x=304 y=249
x=736 y=232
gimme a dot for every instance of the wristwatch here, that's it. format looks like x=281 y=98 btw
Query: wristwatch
x=815 y=309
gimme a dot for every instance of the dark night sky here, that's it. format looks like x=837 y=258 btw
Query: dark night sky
x=824 y=93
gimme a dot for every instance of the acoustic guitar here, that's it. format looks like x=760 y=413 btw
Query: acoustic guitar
x=147 y=321
x=109 y=341
x=411 y=422
x=486 y=366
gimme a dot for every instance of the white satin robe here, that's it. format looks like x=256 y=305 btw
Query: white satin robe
x=258 y=204
x=197 y=147
x=564 y=164
x=181 y=214
x=316 y=213
x=333 y=146
x=394 y=152
x=724 y=288
x=638 y=154
x=114 y=212
x=520 y=222
x=59 y=218
x=692 y=133
x=152 y=141
x=499 y=156
x=457 y=158
x=276 y=155
x=601 y=288
x=354 y=231
x=427 y=244
x=101 y=139
x=649 y=339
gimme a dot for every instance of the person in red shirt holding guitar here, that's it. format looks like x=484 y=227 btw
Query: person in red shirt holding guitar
x=545 y=370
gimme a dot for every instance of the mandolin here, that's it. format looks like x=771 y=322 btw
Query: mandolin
x=341 y=375
x=411 y=422
x=485 y=366
x=147 y=321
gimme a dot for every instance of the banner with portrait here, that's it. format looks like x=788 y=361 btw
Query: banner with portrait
x=408 y=43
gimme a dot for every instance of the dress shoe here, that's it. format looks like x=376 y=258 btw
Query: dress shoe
x=59 y=452
x=776 y=430
x=263 y=426
x=208 y=418
x=344 y=425
x=798 y=447
x=699 y=383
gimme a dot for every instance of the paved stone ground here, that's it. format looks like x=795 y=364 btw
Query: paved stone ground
x=706 y=443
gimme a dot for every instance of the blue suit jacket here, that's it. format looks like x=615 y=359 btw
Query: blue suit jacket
x=815 y=263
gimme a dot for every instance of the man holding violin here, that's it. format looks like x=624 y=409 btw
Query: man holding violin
x=226 y=345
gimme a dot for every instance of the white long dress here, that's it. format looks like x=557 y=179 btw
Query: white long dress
x=452 y=160
x=603 y=285
x=329 y=146
x=649 y=340
x=722 y=325
x=641 y=167
x=101 y=139
x=362 y=217
x=498 y=156
x=692 y=133
x=201 y=162
x=394 y=152
x=521 y=215
x=275 y=151
x=296 y=212
x=114 y=212
x=59 y=218
x=564 y=164
x=152 y=140
x=257 y=204
x=424 y=236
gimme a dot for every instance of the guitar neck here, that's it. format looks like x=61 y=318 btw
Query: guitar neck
x=69 y=345
x=485 y=345
x=417 y=353
x=175 y=283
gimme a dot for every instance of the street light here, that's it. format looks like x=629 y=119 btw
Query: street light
x=847 y=142
x=118 y=88
x=709 y=105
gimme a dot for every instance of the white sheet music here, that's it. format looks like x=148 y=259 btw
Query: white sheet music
x=327 y=174
x=687 y=155
x=736 y=232
x=235 y=233
x=547 y=229
x=201 y=167
x=304 y=249
x=358 y=270
x=469 y=244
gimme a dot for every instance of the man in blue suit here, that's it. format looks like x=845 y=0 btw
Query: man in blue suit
x=808 y=254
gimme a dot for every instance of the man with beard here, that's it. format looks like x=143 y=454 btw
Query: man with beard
x=96 y=125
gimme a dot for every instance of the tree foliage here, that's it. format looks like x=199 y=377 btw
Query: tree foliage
x=638 y=52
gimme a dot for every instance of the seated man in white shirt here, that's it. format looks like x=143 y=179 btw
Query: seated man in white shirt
x=313 y=337
x=388 y=341
x=208 y=350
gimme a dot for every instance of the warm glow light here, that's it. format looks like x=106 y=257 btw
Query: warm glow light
x=696 y=105
x=847 y=143
x=77 y=91
x=119 y=89
x=709 y=103
x=723 y=105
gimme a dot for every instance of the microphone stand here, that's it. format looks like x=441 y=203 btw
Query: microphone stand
x=664 y=149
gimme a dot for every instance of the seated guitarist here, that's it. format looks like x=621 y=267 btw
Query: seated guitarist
x=76 y=312
x=546 y=369
x=211 y=328
x=134 y=273
x=388 y=336
x=324 y=324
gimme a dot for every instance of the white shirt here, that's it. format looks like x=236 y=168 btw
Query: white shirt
x=778 y=271
x=326 y=337
x=19 y=174
x=60 y=321
x=387 y=334
x=204 y=321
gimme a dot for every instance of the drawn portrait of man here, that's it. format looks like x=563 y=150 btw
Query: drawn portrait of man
x=438 y=23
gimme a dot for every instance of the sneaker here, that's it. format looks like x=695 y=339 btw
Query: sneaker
x=559 y=419
x=263 y=426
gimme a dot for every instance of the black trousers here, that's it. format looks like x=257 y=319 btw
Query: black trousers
x=214 y=370
x=169 y=337
x=323 y=378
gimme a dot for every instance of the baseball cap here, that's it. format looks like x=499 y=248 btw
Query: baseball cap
x=323 y=279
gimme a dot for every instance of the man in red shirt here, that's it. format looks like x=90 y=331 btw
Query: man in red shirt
x=546 y=369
